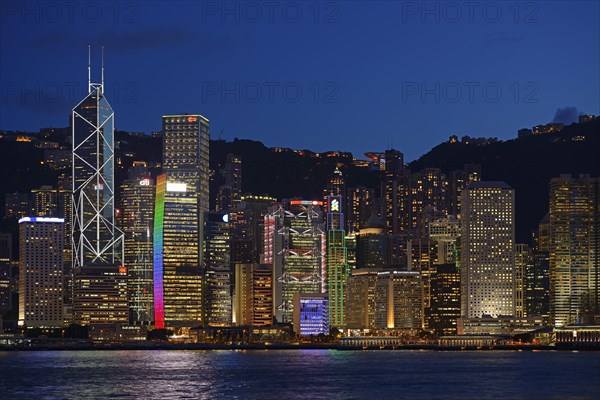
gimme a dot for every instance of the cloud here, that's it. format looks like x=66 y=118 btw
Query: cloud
x=567 y=115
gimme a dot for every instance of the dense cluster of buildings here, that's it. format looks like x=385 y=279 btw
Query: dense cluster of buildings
x=425 y=252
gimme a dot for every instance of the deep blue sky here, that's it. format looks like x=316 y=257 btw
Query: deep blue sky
x=381 y=63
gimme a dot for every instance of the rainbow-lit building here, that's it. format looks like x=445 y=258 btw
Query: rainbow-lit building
x=181 y=200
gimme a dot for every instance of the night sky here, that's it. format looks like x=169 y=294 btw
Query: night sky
x=357 y=76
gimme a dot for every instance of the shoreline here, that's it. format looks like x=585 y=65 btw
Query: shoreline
x=279 y=346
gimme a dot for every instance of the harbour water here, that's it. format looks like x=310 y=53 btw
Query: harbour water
x=299 y=374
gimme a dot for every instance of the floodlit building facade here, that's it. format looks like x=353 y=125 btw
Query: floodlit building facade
x=41 y=272
x=487 y=250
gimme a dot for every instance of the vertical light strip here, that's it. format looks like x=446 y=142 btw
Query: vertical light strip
x=159 y=214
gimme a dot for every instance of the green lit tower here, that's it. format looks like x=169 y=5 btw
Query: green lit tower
x=337 y=261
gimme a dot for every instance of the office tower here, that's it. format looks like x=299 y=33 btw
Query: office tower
x=427 y=195
x=247 y=228
x=457 y=181
x=136 y=220
x=16 y=205
x=399 y=300
x=96 y=240
x=181 y=201
x=360 y=299
x=523 y=263
x=487 y=250
x=295 y=244
x=396 y=193
x=372 y=245
x=44 y=201
x=229 y=195
x=445 y=233
x=97 y=244
x=337 y=261
x=537 y=274
x=360 y=206
x=444 y=308
x=218 y=271
x=574 y=249
x=41 y=272
x=253 y=294
x=311 y=314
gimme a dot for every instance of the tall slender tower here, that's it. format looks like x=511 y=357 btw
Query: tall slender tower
x=96 y=239
x=97 y=244
x=337 y=261
x=181 y=201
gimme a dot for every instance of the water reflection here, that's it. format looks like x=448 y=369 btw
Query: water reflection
x=315 y=374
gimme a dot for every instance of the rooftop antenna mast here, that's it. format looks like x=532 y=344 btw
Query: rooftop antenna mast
x=89 y=70
x=102 y=84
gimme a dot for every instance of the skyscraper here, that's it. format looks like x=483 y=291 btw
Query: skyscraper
x=181 y=200
x=444 y=308
x=41 y=272
x=96 y=240
x=574 y=249
x=337 y=261
x=295 y=244
x=487 y=250
x=136 y=220
x=218 y=271
x=97 y=244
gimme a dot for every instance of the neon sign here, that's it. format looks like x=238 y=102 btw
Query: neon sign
x=145 y=182
x=192 y=119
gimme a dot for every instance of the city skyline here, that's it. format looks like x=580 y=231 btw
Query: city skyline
x=408 y=189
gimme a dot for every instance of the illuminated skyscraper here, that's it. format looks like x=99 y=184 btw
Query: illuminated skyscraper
x=181 y=201
x=41 y=272
x=487 y=250
x=218 y=271
x=337 y=261
x=427 y=194
x=136 y=220
x=96 y=240
x=97 y=244
x=295 y=245
x=396 y=193
x=574 y=249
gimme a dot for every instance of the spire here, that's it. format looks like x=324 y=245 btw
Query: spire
x=89 y=70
